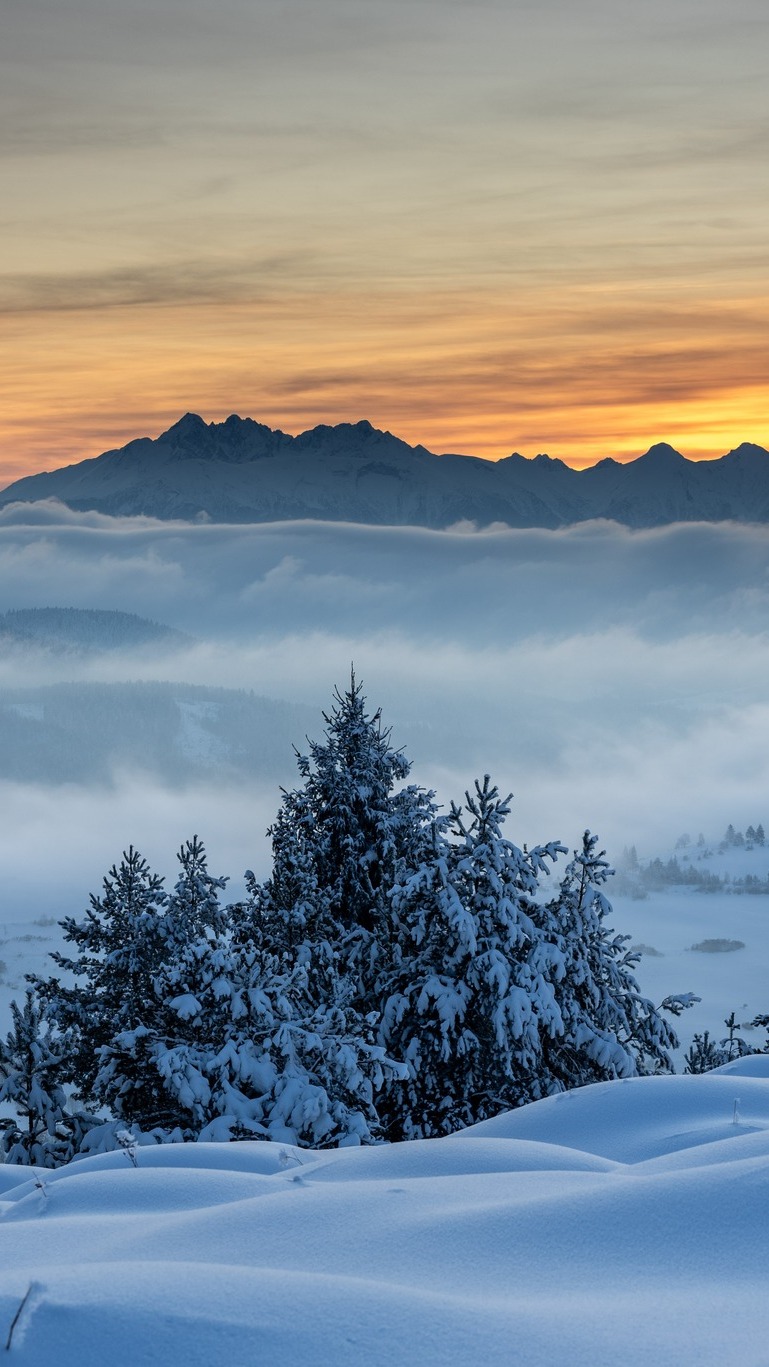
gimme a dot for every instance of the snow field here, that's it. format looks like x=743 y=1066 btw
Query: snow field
x=598 y=1227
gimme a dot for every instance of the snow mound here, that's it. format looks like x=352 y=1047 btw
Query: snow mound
x=616 y=1224
x=640 y=1118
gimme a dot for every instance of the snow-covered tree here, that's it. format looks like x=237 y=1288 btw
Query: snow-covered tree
x=337 y=843
x=192 y=990
x=33 y=1062
x=607 y=1027
x=109 y=1014
x=399 y=973
x=467 y=1001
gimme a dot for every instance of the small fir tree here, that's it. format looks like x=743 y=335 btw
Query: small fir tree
x=607 y=1028
x=33 y=1061
x=109 y=1014
x=193 y=990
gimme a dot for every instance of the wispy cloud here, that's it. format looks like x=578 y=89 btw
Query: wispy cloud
x=164 y=283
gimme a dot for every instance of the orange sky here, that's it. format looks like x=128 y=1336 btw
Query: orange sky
x=486 y=227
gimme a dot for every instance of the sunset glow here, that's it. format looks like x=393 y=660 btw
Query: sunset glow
x=485 y=227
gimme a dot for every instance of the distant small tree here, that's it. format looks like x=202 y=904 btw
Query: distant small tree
x=706 y=1053
x=703 y=1055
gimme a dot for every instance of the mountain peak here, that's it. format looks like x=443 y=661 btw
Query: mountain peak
x=748 y=449
x=191 y=425
x=661 y=456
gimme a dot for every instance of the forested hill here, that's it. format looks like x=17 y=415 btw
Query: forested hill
x=85 y=629
x=242 y=471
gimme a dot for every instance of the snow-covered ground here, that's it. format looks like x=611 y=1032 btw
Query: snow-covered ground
x=623 y=1223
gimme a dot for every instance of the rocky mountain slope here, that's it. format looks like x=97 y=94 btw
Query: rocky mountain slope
x=242 y=471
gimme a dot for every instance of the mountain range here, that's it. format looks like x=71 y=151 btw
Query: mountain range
x=240 y=470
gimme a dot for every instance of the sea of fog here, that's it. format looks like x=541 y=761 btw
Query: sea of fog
x=609 y=679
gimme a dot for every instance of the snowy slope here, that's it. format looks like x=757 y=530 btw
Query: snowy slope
x=242 y=471
x=621 y=1224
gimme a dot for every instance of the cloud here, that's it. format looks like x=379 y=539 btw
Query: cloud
x=163 y=283
x=502 y=585
x=610 y=678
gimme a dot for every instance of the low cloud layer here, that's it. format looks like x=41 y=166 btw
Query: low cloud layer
x=610 y=679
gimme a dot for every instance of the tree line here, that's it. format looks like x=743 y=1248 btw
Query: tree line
x=401 y=973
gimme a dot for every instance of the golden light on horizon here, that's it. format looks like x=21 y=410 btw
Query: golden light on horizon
x=484 y=228
x=465 y=382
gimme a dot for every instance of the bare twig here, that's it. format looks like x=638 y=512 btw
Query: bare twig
x=16 y=1317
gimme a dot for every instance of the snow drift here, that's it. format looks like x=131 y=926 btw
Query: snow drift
x=623 y=1222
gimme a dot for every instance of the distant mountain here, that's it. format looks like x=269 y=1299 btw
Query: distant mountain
x=242 y=471
x=85 y=630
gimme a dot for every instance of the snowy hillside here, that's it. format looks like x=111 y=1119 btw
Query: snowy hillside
x=87 y=732
x=242 y=471
x=622 y=1223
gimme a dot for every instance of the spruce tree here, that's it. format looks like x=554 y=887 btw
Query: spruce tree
x=192 y=989
x=339 y=841
x=467 y=999
x=109 y=1014
x=607 y=1027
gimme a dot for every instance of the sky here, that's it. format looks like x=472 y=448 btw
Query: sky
x=485 y=225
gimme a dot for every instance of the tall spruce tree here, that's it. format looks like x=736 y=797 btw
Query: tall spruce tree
x=338 y=842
